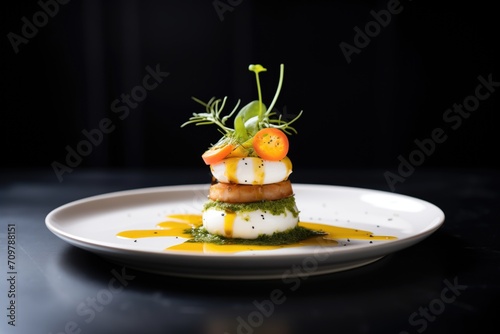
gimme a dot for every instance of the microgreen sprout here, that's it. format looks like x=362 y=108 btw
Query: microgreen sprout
x=212 y=115
x=257 y=69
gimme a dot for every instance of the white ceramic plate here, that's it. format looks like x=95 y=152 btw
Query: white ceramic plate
x=92 y=224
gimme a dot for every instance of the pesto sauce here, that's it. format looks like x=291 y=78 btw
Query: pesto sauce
x=293 y=235
x=276 y=207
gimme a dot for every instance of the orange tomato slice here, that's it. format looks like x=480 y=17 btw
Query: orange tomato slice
x=271 y=144
x=216 y=154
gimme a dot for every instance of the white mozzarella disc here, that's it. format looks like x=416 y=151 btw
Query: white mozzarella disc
x=251 y=170
x=246 y=224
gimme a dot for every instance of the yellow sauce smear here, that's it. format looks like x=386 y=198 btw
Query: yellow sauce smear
x=231 y=170
x=176 y=224
x=228 y=223
x=258 y=171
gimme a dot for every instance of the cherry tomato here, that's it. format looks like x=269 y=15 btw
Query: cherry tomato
x=270 y=144
x=216 y=154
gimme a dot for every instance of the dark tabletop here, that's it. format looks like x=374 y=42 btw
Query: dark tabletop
x=448 y=283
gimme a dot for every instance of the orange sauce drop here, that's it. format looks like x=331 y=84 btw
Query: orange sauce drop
x=176 y=224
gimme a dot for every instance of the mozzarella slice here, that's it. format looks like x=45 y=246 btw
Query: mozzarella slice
x=246 y=224
x=251 y=170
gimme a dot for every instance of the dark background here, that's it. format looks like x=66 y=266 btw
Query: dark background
x=360 y=114
x=364 y=114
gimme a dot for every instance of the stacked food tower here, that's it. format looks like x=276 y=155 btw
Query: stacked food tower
x=251 y=194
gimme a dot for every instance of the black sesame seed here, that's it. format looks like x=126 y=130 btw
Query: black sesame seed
x=371 y=242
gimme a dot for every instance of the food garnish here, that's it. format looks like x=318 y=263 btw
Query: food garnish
x=240 y=139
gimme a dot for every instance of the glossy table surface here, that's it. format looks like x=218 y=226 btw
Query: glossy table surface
x=448 y=283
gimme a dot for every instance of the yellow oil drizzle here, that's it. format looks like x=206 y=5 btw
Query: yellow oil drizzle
x=176 y=224
x=258 y=171
x=228 y=224
x=231 y=169
x=335 y=232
